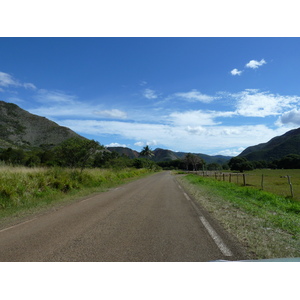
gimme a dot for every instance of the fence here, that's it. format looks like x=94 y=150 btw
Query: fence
x=271 y=181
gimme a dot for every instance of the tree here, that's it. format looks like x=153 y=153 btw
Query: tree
x=240 y=164
x=77 y=152
x=147 y=152
x=193 y=160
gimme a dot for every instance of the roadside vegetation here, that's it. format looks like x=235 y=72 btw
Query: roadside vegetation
x=77 y=167
x=268 y=225
x=24 y=188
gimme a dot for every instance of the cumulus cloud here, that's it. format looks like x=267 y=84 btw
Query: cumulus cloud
x=204 y=139
x=191 y=118
x=254 y=64
x=113 y=113
x=235 y=72
x=253 y=103
x=194 y=96
x=231 y=152
x=150 y=94
x=291 y=117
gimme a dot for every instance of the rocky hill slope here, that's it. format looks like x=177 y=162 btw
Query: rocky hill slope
x=19 y=128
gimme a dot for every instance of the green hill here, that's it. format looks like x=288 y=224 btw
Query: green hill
x=276 y=148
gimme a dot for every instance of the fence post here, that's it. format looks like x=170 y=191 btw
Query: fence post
x=230 y=177
x=291 y=186
x=244 y=179
x=262 y=181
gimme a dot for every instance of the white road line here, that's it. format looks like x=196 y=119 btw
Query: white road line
x=17 y=225
x=186 y=196
x=216 y=238
x=221 y=245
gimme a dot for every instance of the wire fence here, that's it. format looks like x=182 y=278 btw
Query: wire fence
x=269 y=181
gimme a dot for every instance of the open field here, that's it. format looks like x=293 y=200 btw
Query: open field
x=24 y=188
x=273 y=181
x=266 y=223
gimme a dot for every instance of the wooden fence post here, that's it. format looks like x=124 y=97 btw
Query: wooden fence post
x=244 y=179
x=262 y=181
x=291 y=186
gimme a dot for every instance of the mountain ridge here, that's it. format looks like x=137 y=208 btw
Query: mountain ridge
x=161 y=155
x=276 y=148
x=21 y=129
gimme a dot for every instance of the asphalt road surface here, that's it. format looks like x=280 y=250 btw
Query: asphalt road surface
x=151 y=219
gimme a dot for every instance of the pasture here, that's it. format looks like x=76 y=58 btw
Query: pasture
x=273 y=181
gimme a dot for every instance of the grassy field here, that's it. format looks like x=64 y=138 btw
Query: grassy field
x=273 y=181
x=268 y=225
x=24 y=188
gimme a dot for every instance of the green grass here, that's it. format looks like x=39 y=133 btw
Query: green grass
x=266 y=223
x=26 y=188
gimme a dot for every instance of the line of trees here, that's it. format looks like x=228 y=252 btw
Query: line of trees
x=291 y=161
x=76 y=153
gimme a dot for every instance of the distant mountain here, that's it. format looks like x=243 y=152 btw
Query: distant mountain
x=124 y=151
x=21 y=129
x=168 y=155
x=276 y=148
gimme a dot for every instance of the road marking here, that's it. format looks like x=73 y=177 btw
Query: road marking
x=17 y=225
x=186 y=196
x=216 y=238
x=221 y=245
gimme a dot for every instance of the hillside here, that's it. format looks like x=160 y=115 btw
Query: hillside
x=19 y=128
x=124 y=151
x=276 y=148
x=168 y=155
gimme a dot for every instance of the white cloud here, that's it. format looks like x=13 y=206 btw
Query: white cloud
x=291 y=117
x=254 y=64
x=236 y=72
x=191 y=118
x=152 y=143
x=231 y=152
x=150 y=94
x=194 y=96
x=252 y=103
x=29 y=86
x=116 y=145
x=6 y=80
x=54 y=96
x=114 y=114
x=201 y=139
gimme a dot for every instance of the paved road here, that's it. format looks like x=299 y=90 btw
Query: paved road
x=151 y=219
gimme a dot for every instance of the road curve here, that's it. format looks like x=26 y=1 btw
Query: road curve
x=151 y=219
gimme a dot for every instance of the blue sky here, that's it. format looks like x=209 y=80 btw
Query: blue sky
x=214 y=95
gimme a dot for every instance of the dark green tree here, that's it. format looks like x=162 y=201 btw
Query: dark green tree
x=77 y=152
x=193 y=162
x=240 y=164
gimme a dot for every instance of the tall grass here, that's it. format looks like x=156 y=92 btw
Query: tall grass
x=267 y=223
x=23 y=188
